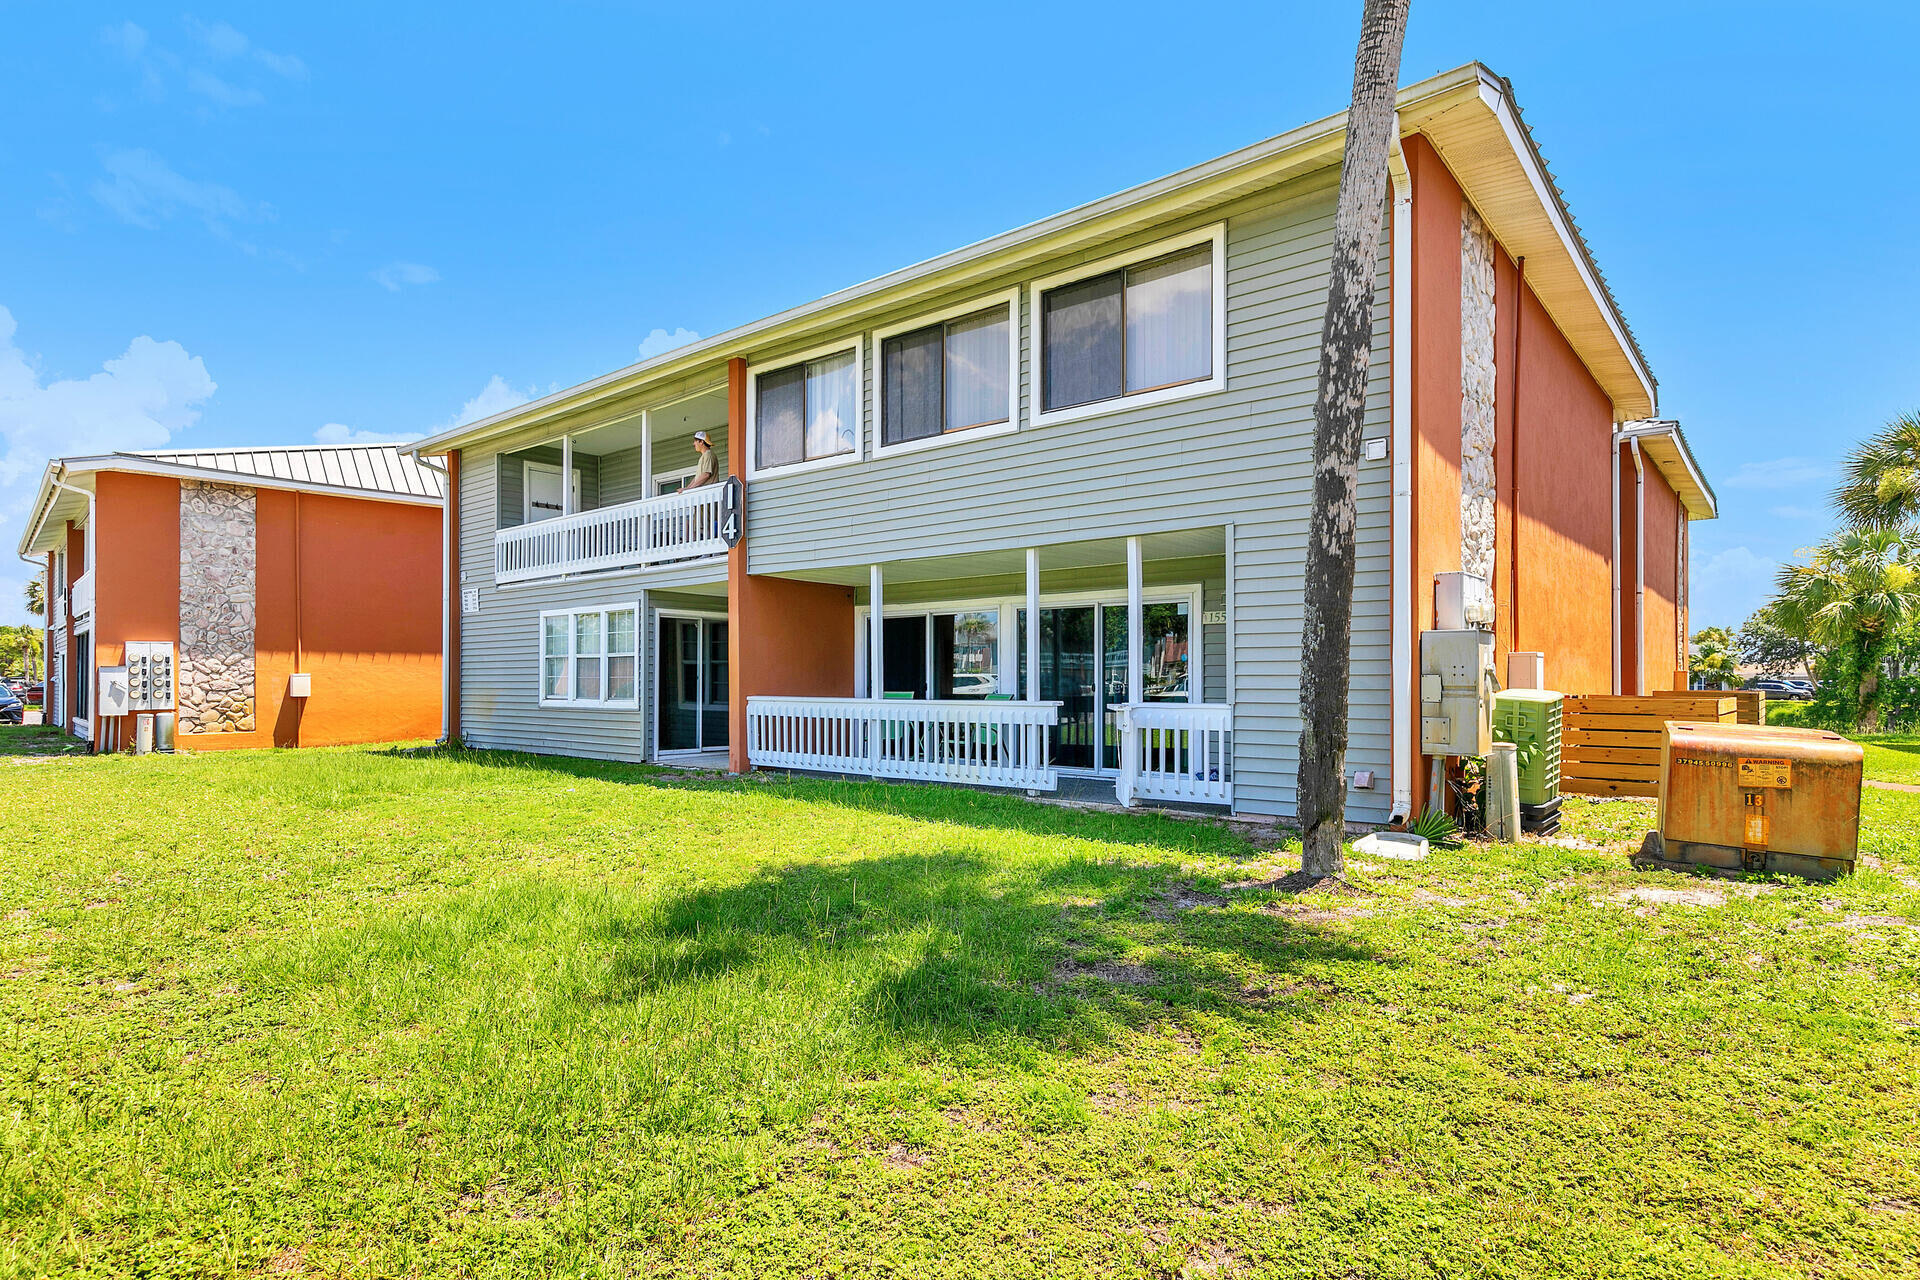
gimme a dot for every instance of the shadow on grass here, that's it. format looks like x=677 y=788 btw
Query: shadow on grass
x=958 y=947
x=957 y=805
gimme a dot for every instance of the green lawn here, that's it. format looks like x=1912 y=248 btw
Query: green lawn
x=362 y=1012
x=1893 y=757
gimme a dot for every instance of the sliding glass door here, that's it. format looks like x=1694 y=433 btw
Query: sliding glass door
x=1083 y=667
x=690 y=685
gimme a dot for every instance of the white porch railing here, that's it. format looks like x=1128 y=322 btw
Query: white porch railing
x=80 y=598
x=982 y=743
x=1176 y=751
x=678 y=526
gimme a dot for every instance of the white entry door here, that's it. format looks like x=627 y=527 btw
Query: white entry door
x=542 y=489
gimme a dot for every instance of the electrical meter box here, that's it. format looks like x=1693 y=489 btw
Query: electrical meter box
x=1456 y=692
x=1462 y=601
x=113 y=700
x=150 y=675
x=1530 y=720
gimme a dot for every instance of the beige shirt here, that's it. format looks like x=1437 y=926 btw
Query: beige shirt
x=707 y=472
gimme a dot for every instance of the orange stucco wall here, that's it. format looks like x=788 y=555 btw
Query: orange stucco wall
x=137 y=582
x=1661 y=634
x=1553 y=579
x=784 y=636
x=345 y=589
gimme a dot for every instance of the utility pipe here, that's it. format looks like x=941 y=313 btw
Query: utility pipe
x=1401 y=451
x=446 y=596
x=1513 y=508
x=1613 y=470
x=1639 y=569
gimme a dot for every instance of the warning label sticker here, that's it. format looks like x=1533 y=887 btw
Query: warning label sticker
x=1765 y=772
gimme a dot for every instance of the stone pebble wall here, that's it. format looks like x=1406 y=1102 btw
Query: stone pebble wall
x=1476 y=396
x=216 y=671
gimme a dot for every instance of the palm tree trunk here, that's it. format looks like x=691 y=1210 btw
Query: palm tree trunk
x=1346 y=348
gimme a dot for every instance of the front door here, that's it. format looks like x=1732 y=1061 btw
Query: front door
x=543 y=497
x=691 y=685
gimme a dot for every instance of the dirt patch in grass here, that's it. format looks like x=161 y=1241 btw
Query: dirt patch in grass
x=1172 y=902
x=1113 y=972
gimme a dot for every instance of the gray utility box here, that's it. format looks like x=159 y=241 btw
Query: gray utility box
x=1457 y=685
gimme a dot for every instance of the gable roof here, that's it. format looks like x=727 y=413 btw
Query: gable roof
x=1468 y=114
x=374 y=472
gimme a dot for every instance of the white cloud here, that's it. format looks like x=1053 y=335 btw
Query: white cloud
x=397 y=274
x=140 y=399
x=145 y=191
x=129 y=38
x=341 y=433
x=1780 y=473
x=495 y=397
x=222 y=40
x=1729 y=585
x=214 y=89
x=659 y=342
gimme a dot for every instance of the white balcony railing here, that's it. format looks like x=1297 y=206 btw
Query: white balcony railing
x=80 y=598
x=1176 y=751
x=678 y=526
x=981 y=743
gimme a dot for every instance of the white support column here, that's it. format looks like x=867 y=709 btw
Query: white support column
x=1136 y=683
x=1032 y=692
x=646 y=453
x=876 y=636
x=566 y=475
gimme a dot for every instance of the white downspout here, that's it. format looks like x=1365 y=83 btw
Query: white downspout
x=1401 y=449
x=446 y=595
x=1639 y=569
x=1613 y=472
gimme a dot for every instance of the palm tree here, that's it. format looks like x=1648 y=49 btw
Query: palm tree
x=36 y=593
x=1881 y=484
x=1852 y=597
x=1346 y=343
x=1713 y=662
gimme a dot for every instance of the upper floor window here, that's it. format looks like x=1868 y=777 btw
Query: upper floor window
x=952 y=373
x=1134 y=331
x=807 y=411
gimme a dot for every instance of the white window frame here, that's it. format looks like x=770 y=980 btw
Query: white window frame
x=1011 y=300
x=527 y=467
x=573 y=670
x=78 y=725
x=684 y=475
x=1009 y=654
x=1216 y=235
x=858 y=346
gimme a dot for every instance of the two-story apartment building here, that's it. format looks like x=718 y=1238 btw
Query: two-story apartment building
x=1039 y=506
x=297 y=589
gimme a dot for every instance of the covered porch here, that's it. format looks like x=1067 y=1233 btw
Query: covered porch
x=616 y=496
x=1123 y=683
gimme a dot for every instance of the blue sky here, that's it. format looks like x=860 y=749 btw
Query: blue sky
x=278 y=224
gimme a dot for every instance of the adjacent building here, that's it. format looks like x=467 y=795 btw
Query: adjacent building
x=300 y=590
x=1038 y=507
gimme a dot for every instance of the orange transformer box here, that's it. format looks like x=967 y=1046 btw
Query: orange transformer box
x=1739 y=798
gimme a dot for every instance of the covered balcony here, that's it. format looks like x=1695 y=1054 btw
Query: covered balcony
x=618 y=496
x=1120 y=692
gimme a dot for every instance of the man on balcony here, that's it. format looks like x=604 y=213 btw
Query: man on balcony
x=708 y=469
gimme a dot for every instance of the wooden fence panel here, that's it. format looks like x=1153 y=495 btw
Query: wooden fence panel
x=1610 y=745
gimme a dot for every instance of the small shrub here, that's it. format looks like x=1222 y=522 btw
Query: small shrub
x=1794 y=715
x=1440 y=830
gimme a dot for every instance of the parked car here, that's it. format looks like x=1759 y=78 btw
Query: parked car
x=1782 y=690
x=12 y=710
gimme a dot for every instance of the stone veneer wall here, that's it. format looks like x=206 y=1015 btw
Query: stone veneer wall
x=216 y=608
x=1476 y=395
